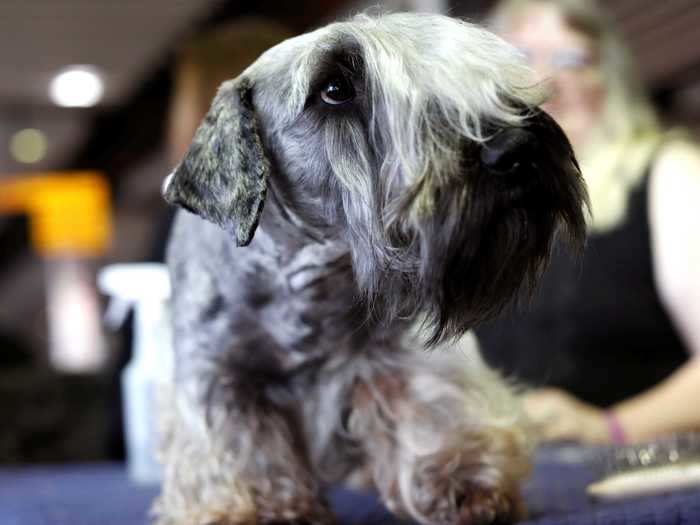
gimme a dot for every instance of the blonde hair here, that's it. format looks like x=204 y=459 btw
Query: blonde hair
x=628 y=133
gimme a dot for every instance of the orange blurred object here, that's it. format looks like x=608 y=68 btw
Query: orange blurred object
x=69 y=212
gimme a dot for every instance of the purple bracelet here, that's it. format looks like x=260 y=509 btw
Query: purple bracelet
x=615 y=431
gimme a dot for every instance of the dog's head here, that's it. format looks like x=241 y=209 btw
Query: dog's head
x=416 y=140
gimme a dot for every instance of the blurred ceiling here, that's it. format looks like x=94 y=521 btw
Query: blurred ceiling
x=124 y=40
x=664 y=37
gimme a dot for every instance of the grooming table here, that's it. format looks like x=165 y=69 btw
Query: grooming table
x=101 y=494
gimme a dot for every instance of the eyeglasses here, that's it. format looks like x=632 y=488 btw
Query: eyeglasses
x=560 y=59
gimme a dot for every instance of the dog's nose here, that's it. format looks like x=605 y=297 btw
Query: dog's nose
x=508 y=150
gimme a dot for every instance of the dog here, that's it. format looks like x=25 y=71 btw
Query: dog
x=354 y=202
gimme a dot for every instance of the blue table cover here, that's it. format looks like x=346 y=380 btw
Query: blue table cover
x=101 y=494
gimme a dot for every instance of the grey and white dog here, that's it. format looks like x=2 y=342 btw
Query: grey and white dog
x=355 y=182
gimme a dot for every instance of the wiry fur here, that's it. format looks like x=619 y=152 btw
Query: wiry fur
x=432 y=195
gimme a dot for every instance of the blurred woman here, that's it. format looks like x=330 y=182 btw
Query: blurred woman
x=613 y=340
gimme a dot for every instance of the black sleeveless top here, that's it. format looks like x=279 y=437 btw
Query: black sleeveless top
x=596 y=327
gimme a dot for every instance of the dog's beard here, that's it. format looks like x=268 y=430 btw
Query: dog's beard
x=484 y=243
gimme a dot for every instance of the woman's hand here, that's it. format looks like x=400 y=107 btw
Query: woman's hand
x=559 y=416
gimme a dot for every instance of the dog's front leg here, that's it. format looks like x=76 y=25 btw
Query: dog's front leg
x=443 y=443
x=231 y=456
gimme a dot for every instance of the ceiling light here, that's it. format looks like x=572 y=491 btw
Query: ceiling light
x=28 y=146
x=77 y=86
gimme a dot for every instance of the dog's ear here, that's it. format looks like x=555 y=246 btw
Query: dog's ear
x=223 y=176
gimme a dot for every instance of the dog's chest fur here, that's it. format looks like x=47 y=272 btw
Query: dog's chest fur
x=280 y=307
x=297 y=301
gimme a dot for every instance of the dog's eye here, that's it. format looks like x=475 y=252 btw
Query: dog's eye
x=337 y=90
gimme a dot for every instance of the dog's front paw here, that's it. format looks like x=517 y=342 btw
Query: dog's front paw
x=453 y=488
x=314 y=520
x=469 y=504
x=295 y=522
x=481 y=506
x=325 y=519
x=294 y=512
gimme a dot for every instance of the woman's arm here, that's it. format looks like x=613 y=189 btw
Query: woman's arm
x=674 y=216
x=671 y=406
